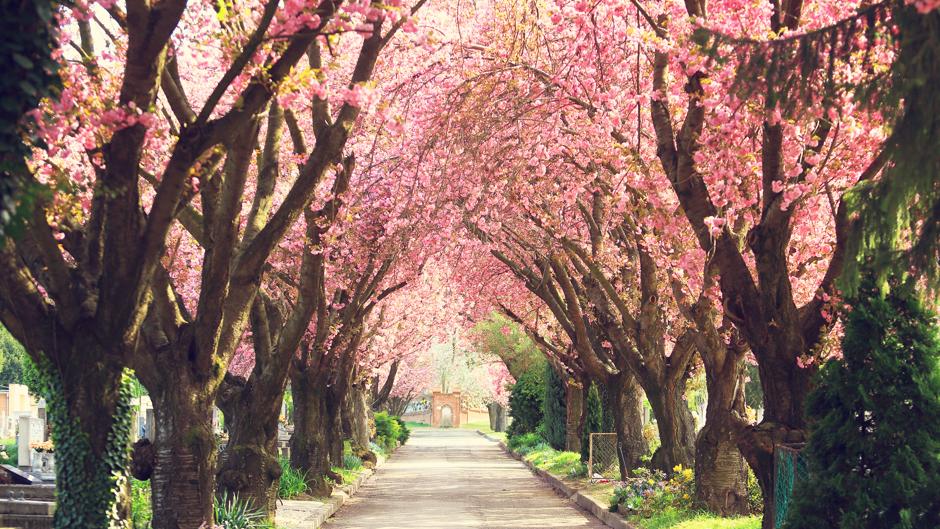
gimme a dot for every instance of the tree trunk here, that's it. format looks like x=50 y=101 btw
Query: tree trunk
x=356 y=415
x=90 y=416
x=720 y=471
x=310 y=443
x=626 y=404
x=249 y=466
x=785 y=387
x=676 y=428
x=574 y=420
x=183 y=482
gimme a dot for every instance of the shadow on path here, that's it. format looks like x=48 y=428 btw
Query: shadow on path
x=446 y=479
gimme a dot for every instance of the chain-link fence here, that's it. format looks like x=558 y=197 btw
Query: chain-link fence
x=603 y=460
x=789 y=469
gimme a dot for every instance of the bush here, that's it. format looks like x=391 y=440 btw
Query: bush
x=404 y=431
x=873 y=456
x=525 y=402
x=293 y=483
x=554 y=416
x=234 y=513
x=388 y=430
x=141 y=508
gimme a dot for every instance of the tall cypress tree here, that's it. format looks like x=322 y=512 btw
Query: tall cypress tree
x=554 y=409
x=593 y=422
x=874 y=449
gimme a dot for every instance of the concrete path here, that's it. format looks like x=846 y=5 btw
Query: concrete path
x=456 y=479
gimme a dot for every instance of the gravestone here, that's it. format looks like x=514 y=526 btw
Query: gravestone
x=31 y=430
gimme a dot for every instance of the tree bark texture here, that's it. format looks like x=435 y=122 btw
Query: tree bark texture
x=183 y=481
x=574 y=420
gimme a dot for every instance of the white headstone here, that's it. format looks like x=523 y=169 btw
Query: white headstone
x=31 y=430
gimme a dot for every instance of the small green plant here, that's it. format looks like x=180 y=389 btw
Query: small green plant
x=141 y=509
x=234 y=513
x=293 y=483
x=351 y=462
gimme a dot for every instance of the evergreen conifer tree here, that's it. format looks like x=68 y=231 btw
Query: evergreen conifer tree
x=873 y=455
x=554 y=409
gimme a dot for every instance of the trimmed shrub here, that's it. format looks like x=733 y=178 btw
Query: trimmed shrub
x=554 y=417
x=387 y=431
x=525 y=402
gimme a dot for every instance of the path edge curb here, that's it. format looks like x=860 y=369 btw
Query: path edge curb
x=584 y=501
x=337 y=499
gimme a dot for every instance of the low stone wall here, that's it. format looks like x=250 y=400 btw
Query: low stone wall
x=588 y=503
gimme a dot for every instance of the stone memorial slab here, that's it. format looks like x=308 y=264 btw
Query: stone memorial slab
x=31 y=430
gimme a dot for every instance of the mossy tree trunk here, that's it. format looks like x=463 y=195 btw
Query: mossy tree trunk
x=183 y=481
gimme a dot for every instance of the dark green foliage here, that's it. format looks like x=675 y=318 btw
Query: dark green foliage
x=554 y=418
x=29 y=74
x=874 y=448
x=593 y=421
x=525 y=402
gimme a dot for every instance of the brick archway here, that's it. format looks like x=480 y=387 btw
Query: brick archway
x=452 y=401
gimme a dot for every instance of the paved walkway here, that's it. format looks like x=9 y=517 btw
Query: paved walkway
x=456 y=479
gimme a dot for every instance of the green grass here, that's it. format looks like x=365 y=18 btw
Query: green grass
x=293 y=482
x=348 y=475
x=413 y=424
x=676 y=519
x=484 y=426
x=565 y=464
